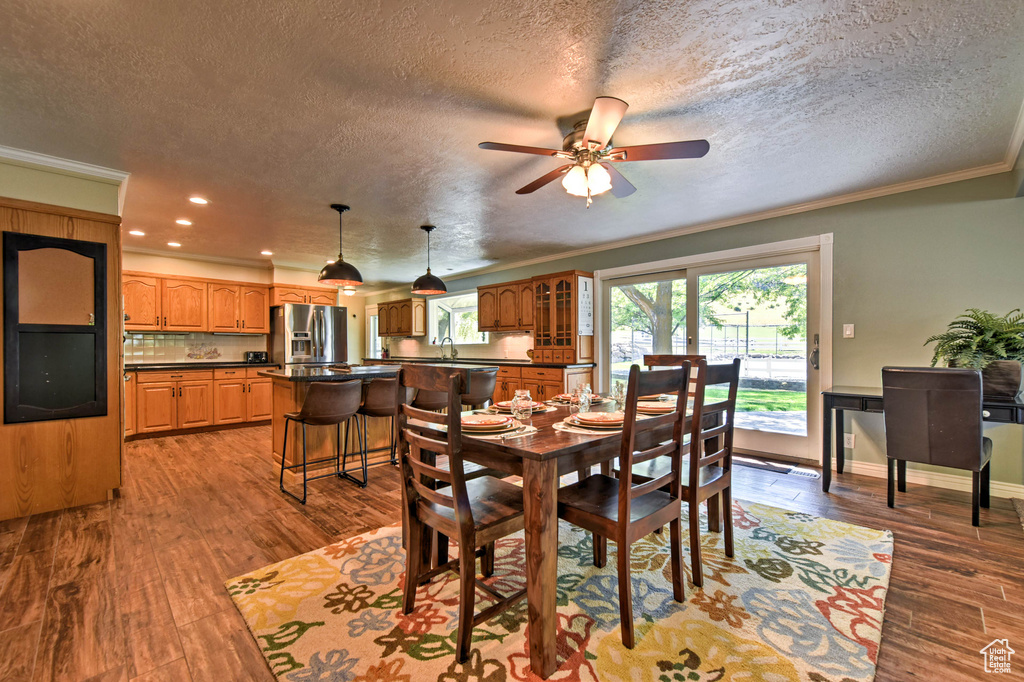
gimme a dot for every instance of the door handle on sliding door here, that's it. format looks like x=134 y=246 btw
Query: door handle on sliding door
x=815 y=354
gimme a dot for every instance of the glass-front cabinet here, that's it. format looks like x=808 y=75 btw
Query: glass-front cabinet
x=556 y=336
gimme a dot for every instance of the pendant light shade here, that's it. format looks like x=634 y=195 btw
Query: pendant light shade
x=339 y=273
x=428 y=284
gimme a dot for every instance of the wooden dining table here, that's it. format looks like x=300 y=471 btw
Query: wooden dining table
x=541 y=458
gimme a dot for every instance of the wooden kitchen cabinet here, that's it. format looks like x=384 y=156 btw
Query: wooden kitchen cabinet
x=129 y=403
x=195 y=404
x=229 y=400
x=156 y=405
x=407 y=317
x=280 y=295
x=508 y=306
x=259 y=402
x=487 y=309
x=526 y=305
x=184 y=304
x=555 y=325
x=317 y=297
x=254 y=310
x=141 y=297
x=223 y=307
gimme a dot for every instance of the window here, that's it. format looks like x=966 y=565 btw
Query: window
x=455 y=316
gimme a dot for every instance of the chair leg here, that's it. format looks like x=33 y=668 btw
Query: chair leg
x=625 y=594
x=676 y=544
x=695 y=558
x=363 y=445
x=337 y=451
x=986 y=475
x=305 y=474
x=582 y=473
x=891 y=483
x=727 y=520
x=413 y=563
x=441 y=542
x=975 y=498
x=467 y=601
x=714 y=512
x=284 y=451
x=394 y=443
x=901 y=475
x=600 y=550
x=487 y=561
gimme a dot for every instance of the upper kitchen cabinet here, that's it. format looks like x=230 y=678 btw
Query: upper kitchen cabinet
x=307 y=295
x=184 y=304
x=141 y=303
x=487 y=309
x=254 y=309
x=223 y=307
x=407 y=317
x=505 y=307
x=556 y=325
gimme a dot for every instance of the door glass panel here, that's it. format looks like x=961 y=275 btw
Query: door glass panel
x=646 y=318
x=760 y=316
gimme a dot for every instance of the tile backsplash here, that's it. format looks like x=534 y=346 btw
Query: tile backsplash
x=159 y=348
x=500 y=346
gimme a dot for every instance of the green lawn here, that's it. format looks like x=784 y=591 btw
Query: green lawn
x=762 y=399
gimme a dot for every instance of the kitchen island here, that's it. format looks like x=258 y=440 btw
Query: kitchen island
x=289 y=388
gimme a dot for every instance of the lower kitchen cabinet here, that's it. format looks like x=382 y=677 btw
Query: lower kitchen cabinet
x=165 y=400
x=543 y=383
x=129 y=403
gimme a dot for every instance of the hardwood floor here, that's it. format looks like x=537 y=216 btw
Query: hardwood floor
x=133 y=589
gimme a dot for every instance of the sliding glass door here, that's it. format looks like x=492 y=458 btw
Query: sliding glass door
x=763 y=311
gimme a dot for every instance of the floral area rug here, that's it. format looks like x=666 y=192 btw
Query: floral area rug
x=802 y=599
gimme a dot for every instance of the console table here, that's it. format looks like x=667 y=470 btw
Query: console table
x=869 y=399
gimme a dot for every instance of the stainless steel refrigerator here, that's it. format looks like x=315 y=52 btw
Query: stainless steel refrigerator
x=309 y=334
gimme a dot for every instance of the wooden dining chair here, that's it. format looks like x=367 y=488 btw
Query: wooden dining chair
x=652 y=361
x=708 y=465
x=474 y=512
x=623 y=510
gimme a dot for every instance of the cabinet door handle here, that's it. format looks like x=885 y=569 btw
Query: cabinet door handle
x=165 y=320
x=179 y=391
x=243 y=324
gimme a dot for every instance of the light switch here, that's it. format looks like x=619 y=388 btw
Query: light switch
x=847 y=331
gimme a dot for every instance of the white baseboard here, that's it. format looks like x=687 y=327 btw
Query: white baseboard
x=936 y=479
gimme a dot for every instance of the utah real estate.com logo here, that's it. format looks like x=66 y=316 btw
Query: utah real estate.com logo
x=997 y=656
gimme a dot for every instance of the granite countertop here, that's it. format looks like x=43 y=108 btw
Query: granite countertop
x=300 y=373
x=477 y=361
x=134 y=367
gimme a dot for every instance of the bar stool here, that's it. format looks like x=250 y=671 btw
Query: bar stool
x=481 y=389
x=381 y=400
x=325 y=404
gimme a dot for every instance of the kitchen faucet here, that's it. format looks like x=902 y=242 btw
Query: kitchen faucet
x=455 y=353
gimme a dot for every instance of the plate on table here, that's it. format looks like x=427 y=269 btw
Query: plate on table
x=572 y=421
x=486 y=422
x=652 y=407
x=506 y=406
x=656 y=397
x=600 y=418
x=569 y=398
x=513 y=425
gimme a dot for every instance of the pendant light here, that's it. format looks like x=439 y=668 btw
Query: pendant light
x=339 y=273
x=428 y=284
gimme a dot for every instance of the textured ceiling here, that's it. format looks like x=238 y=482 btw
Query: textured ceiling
x=273 y=110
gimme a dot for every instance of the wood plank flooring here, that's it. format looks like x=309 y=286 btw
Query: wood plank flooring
x=133 y=589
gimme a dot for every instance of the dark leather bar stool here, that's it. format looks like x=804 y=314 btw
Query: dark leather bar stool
x=326 y=404
x=481 y=389
x=380 y=400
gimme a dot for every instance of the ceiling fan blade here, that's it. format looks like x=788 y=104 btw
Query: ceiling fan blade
x=621 y=187
x=604 y=119
x=501 y=147
x=690 y=149
x=543 y=180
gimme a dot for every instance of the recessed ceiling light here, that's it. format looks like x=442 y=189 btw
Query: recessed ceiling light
x=266 y=253
x=137 y=233
x=198 y=200
x=183 y=221
x=175 y=244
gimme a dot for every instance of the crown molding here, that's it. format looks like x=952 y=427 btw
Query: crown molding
x=66 y=166
x=220 y=260
x=792 y=209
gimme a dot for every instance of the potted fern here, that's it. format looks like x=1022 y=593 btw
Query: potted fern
x=992 y=343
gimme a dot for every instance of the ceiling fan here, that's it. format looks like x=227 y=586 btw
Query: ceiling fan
x=588 y=148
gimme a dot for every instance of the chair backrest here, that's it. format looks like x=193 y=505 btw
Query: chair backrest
x=382 y=397
x=481 y=387
x=652 y=361
x=331 y=402
x=421 y=445
x=933 y=415
x=646 y=383
x=713 y=424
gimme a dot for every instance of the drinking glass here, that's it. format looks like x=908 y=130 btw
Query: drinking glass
x=574 y=401
x=522 y=405
x=585 y=395
x=619 y=394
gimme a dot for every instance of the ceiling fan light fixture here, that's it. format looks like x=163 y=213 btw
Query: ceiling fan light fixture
x=598 y=179
x=428 y=284
x=575 y=181
x=340 y=273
